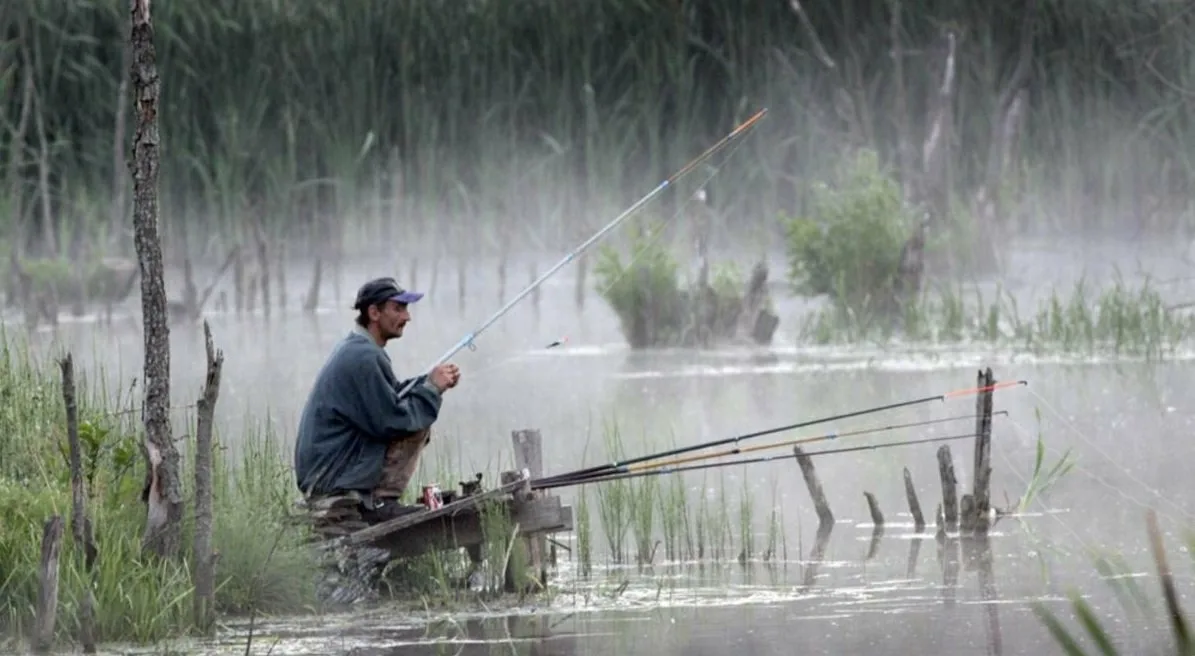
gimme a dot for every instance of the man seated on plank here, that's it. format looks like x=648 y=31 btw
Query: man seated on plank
x=356 y=434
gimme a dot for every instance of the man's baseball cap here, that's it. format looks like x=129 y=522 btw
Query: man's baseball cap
x=381 y=290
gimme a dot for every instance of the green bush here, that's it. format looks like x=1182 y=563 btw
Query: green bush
x=655 y=309
x=849 y=245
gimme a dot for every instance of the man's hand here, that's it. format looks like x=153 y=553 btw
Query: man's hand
x=445 y=376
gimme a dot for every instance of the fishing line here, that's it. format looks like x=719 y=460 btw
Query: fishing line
x=623 y=467
x=795 y=442
x=653 y=236
x=1026 y=433
x=1124 y=470
x=547 y=485
x=467 y=340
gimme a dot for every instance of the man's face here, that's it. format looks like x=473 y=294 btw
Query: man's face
x=390 y=318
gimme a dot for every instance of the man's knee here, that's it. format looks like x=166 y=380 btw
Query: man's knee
x=401 y=459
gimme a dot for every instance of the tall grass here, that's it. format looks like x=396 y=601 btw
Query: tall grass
x=1118 y=319
x=530 y=116
x=262 y=565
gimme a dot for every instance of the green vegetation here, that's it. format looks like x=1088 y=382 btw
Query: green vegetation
x=1133 y=601
x=655 y=310
x=262 y=565
x=531 y=112
x=847 y=249
x=658 y=518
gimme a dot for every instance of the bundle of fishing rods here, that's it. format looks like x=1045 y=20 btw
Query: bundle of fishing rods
x=675 y=461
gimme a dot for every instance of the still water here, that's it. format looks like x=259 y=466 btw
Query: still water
x=1128 y=423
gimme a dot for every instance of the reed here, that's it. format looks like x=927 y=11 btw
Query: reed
x=1098 y=630
x=263 y=566
x=312 y=120
x=1119 y=319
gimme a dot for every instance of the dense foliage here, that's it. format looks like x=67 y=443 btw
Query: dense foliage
x=541 y=110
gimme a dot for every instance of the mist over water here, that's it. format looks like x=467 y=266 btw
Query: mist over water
x=1127 y=422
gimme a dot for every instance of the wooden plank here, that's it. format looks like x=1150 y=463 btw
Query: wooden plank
x=545 y=515
x=529 y=457
x=414 y=519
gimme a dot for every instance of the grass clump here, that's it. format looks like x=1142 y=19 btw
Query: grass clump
x=656 y=310
x=848 y=246
x=262 y=565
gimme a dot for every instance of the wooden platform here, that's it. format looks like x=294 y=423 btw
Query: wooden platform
x=458 y=523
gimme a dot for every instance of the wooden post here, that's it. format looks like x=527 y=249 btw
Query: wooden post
x=204 y=575
x=873 y=507
x=529 y=455
x=47 y=598
x=80 y=523
x=981 y=488
x=914 y=504
x=949 y=488
x=825 y=517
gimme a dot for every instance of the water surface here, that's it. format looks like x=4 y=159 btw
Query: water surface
x=1128 y=422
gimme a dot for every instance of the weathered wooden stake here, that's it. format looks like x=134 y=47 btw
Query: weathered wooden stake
x=914 y=504
x=966 y=514
x=825 y=517
x=163 y=491
x=981 y=487
x=203 y=574
x=949 y=488
x=80 y=523
x=47 y=598
x=873 y=507
x=529 y=455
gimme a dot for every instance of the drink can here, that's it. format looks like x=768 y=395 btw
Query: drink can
x=431 y=496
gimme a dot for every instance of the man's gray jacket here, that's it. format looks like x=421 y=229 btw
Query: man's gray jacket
x=353 y=413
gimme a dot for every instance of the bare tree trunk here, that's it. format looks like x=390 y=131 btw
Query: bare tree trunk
x=163 y=494
x=204 y=574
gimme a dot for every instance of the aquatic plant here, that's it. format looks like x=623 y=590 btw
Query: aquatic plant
x=1133 y=602
x=847 y=246
x=263 y=565
x=655 y=310
x=1117 y=320
x=1041 y=479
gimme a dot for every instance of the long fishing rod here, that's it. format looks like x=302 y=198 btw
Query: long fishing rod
x=667 y=464
x=467 y=340
x=623 y=467
x=547 y=485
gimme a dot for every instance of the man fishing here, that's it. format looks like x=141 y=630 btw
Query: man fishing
x=356 y=434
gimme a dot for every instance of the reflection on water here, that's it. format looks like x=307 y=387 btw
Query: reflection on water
x=851 y=589
x=833 y=600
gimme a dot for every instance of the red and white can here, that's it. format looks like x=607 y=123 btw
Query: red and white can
x=431 y=496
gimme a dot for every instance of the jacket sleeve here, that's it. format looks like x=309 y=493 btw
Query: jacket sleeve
x=400 y=385
x=384 y=415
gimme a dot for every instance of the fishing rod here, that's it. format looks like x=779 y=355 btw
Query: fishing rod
x=467 y=340
x=623 y=467
x=547 y=485
x=778 y=445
